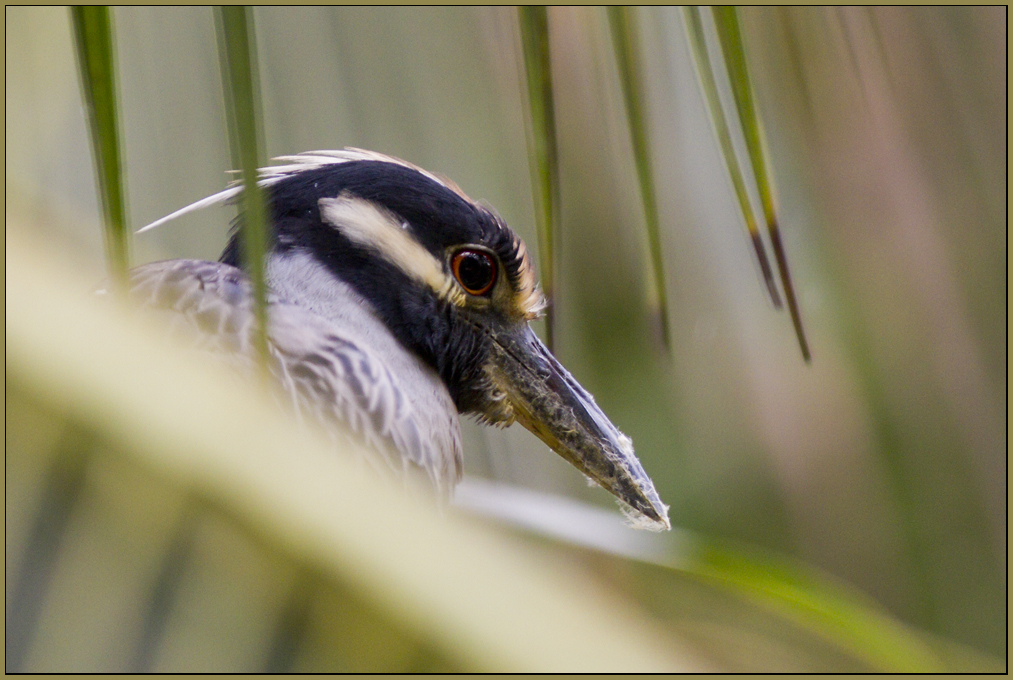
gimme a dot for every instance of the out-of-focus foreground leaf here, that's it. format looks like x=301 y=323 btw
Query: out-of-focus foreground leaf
x=219 y=591
x=93 y=36
x=856 y=632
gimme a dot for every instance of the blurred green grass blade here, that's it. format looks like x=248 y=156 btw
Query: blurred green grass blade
x=704 y=69
x=727 y=23
x=836 y=612
x=238 y=56
x=625 y=44
x=543 y=152
x=93 y=38
x=810 y=598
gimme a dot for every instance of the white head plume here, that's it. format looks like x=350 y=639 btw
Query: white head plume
x=293 y=165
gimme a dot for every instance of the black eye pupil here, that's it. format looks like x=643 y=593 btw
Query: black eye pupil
x=475 y=271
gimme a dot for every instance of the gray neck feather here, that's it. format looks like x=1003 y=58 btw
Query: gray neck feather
x=297 y=278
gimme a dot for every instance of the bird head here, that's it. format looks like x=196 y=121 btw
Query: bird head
x=456 y=286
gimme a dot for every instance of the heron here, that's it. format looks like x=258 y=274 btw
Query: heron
x=395 y=305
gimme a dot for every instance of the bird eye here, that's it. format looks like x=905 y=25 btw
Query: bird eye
x=474 y=270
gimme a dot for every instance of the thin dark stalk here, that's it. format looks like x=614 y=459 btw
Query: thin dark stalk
x=625 y=42
x=93 y=37
x=238 y=56
x=727 y=23
x=543 y=154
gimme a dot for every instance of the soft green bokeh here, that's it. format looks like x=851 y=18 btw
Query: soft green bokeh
x=882 y=463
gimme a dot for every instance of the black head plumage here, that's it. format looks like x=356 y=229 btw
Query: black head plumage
x=439 y=217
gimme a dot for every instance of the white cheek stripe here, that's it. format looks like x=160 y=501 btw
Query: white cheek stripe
x=367 y=224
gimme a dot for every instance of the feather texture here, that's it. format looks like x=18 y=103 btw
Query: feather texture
x=329 y=374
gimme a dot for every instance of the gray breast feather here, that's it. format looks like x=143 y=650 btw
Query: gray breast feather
x=327 y=375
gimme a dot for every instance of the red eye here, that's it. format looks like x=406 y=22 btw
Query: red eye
x=474 y=270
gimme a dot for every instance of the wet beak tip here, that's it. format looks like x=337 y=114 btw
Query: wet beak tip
x=650 y=521
x=549 y=402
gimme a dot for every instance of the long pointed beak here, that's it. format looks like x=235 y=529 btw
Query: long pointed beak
x=548 y=401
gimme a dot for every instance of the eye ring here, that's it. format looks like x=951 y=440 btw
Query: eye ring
x=475 y=270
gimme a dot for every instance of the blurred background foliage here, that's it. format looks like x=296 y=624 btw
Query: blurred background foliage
x=844 y=515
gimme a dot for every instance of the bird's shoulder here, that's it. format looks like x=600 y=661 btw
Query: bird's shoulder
x=334 y=374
